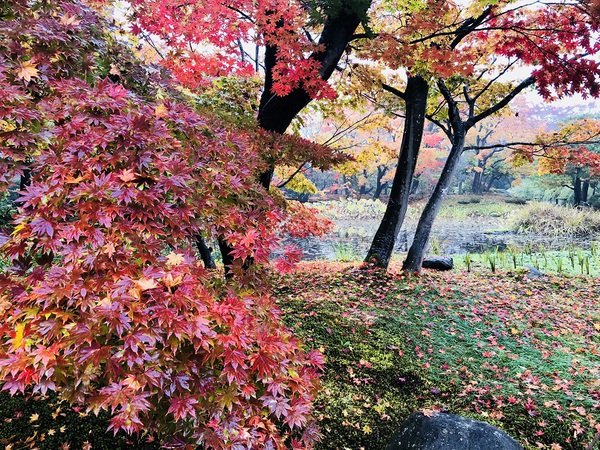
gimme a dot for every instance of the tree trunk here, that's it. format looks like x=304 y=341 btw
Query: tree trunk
x=490 y=182
x=382 y=246
x=577 y=190
x=205 y=253
x=227 y=255
x=380 y=186
x=275 y=113
x=477 y=188
x=416 y=253
x=585 y=188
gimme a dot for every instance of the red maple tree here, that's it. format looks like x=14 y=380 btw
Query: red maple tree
x=104 y=300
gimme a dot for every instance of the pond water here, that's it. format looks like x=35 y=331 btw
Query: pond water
x=351 y=239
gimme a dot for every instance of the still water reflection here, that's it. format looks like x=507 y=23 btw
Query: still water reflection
x=351 y=240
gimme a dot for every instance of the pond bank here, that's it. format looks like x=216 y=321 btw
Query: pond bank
x=465 y=225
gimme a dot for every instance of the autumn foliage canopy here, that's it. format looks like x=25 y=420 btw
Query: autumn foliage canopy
x=104 y=299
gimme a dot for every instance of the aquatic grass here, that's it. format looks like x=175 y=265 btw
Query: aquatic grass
x=435 y=246
x=580 y=261
x=555 y=220
x=468 y=261
x=595 y=248
x=345 y=252
x=490 y=258
x=514 y=255
x=559 y=263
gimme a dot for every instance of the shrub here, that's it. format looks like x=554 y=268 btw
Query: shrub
x=104 y=301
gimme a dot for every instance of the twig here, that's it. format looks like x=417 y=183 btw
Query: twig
x=594 y=442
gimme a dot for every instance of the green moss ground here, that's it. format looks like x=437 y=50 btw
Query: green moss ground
x=520 y=354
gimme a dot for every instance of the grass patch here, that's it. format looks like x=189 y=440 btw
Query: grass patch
x=520 y=354
x=468 y=207
x=345 y=252
x=555 y=220
x=570 y=261
x=454 y=207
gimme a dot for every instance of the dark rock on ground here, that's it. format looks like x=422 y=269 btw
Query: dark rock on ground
x=438 y=263
x=449 y=432
x=533 y=273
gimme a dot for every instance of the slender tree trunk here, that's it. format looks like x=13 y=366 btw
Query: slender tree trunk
x=585 y=188
x=577 y=190
x=380 y=186
x=227 y=255
x=477 y=188
x=416 y=253
x=382 y=246
x=414 y=186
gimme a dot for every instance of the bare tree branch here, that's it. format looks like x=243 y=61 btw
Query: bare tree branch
x=292 y=176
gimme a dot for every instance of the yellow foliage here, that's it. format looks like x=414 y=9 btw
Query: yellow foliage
x=298 y=183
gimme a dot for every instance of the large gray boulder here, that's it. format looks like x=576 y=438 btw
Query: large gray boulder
x=449 y=432
x=438 y=263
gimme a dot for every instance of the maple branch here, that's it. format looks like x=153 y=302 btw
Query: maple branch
x=393 y=90
x=469 y=26
x=437 y=109
x=256 y=58
x=453 y=114
x=292 y=176
x=469 y=100
x=242 y=14
x=498 y=161
x=242 y=52
x=526 y=34
x=540 y=145
x=486 y=70
x=151 y=43
x=309 y=36
x=440 y=125
x=488 y=133
x=493 y=80
x=340 y=131
x=501 y=104
x=594 y=442
x=466 y=93
x=437 y=122
x=511 y=10
x=432 y=36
